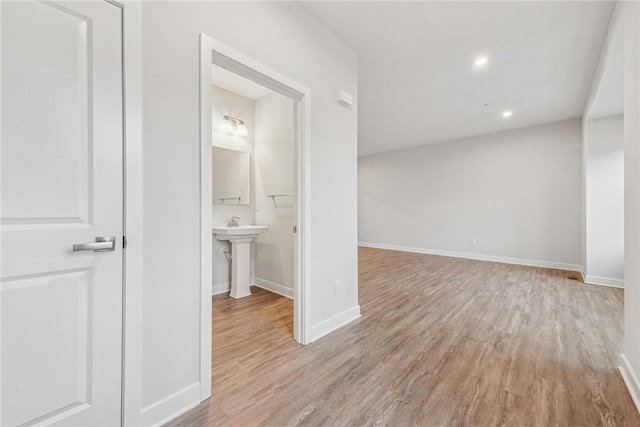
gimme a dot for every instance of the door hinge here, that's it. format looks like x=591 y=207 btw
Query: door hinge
x=295 y=228
x=124 y=242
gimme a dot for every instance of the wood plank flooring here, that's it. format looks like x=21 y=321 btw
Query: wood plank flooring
x=441 y=342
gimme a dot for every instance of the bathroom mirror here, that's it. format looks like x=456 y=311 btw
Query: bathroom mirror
x=231 y=177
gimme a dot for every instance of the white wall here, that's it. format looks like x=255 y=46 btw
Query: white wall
x=630 y=366
x=516 y=193
x=602 y=157
x=226 y=103
x=604 y=164
x=285 y=38
x=626 y=21
x=274 y=172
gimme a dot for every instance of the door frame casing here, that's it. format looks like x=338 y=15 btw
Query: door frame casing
x=212 y=52
x=133 y=212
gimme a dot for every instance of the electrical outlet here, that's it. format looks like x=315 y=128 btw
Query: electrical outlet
x=472 y=242
x=336 y=287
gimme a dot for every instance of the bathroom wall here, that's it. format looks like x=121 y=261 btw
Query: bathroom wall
x=231 y=104
x=604 y=164
x=274 y=172
x=513 y=196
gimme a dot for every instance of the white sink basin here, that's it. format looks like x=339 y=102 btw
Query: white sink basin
x=240 y=238
x=242 y=232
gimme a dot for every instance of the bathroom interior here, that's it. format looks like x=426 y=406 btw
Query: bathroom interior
x=253 y=197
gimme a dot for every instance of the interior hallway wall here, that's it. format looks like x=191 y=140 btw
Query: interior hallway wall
x=274 y=174
x=284 y=37
x=604 y=162
x=630 y=363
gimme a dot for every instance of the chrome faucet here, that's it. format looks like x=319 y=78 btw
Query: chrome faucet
x=234 y=222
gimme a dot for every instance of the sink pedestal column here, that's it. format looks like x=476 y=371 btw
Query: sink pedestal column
x=240 y=280
x=240 y=238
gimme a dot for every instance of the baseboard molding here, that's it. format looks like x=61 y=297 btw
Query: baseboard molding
x=604 y=281
x=171 y=407
x=273 y=287
x=221 y=288
x=333 y=323
x=631 y=380
x=479 y=257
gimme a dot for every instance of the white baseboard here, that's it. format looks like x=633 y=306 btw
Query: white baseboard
x=273 y=287
x=221 y=288
x=631 y=380
x=604 y=281
x=171 y=407
x=333 y=323
x=479 y=257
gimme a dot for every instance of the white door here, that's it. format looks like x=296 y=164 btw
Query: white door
x=61 y=184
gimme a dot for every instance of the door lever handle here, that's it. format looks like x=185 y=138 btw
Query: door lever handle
x=102 y=244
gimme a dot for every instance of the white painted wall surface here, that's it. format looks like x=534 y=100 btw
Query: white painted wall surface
x=605 y=201
x=605 y=99
x=285 y=38
x=630 y=365
x=516 y=193
x=226 y=103
x=274 y=174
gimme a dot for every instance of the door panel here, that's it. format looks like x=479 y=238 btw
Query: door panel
x=56 y=107
x=61 y=183
x=51 y=309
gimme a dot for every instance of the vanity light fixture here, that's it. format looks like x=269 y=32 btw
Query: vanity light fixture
x=241 y=130
x=506 y=114
x=233 y=126
x=226 y=126
x=480 y=61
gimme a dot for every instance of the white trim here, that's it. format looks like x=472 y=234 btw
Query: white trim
x=220 y=288
x=223 y=288
x=214 y=52
x=133 y=268
x=604 y=281
x=273 y=287
x=174 y=405
x=1 y=382
x=206 y=216
x=479 y=257
x=630 y=379
x=302 y=242
x=331 y=324
x=1 y=364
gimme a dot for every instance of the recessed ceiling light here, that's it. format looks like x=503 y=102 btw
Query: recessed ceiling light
x=507 y=113
x=481 y=61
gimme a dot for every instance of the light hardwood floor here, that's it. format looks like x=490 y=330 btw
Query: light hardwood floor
x=442 y=341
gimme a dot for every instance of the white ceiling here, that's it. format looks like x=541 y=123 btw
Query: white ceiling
x=232 y=82
x=417 y=83
x=609 y=98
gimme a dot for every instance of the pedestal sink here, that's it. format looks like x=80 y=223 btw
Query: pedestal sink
x=240 y=237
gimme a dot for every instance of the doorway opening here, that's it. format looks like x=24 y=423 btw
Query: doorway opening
x=266 y=187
